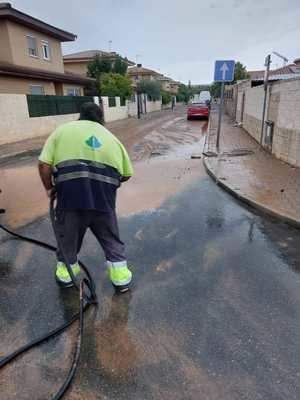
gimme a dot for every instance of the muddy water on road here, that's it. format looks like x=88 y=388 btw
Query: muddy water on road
x=160 y=149
x=214 y=311
x=23 y=196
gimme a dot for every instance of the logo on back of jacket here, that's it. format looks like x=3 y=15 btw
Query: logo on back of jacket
x=93 y=143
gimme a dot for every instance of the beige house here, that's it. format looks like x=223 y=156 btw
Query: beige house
x=169 y=85
x=77 y=63
x=31 y=59
x=138 y=73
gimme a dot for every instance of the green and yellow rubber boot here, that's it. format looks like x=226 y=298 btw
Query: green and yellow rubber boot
x=62 y=275
x=120 y=276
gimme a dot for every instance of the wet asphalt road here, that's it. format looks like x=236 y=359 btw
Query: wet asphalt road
x=213 y=313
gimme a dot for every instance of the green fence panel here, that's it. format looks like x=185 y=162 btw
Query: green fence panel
x=112 y=102
x=41 y=106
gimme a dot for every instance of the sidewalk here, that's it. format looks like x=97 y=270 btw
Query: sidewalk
x=251 y=174
x=23 y=148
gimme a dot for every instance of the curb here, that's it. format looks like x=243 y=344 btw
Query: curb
x=12 y=156
x=245 y=199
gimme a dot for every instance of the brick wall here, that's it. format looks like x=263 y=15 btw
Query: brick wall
x=283 y=109
x=252 y=120
x=241 y=89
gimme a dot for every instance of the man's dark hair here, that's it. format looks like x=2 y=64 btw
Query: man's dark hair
x=91 y=112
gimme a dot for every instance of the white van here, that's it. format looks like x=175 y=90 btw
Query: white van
x=204 y=96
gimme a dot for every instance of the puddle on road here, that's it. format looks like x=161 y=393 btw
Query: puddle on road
x=24 y=198
x=22 y=194
x=155 y=179
x=154 y=182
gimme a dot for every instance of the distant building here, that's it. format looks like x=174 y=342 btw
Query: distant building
x=31 y=57
x=78 y=62
x=138 y=73
x=169 y=85
x=285 y=72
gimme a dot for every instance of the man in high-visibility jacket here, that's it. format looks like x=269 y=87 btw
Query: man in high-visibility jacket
x=85 y=164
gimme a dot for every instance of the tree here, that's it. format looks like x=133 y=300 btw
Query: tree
x=166 y=97
x=98 y=66
x=215 y=89
x=101 y=65
x=149 y=87
x=184 y=94
x=240 y=72
x=120 y=66
x=116 y=85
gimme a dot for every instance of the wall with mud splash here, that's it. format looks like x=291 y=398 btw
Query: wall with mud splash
x=253 y=108
x=15 y=123
x=283 y=110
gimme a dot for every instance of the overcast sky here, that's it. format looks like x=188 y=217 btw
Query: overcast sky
x=180 y=38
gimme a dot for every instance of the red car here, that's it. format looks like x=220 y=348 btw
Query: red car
x=196 y=110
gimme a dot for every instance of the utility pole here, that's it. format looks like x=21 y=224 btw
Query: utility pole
x=266 y=80
x=138 y=97
x=109 y=45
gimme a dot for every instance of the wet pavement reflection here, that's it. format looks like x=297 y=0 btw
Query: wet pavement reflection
x=213 y=312
x=214 y=308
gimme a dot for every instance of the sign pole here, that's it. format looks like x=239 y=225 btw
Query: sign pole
x=220 y=116
x=224 y=72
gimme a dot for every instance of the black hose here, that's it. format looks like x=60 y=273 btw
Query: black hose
x=85 y=300
x=74 y=366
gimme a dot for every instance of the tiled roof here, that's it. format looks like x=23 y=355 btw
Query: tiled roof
x=7 y=12
x=34 y=73
x=287 y=69
x=90 y=54
x=279 y=77
x=142 y=71
x=165 y=78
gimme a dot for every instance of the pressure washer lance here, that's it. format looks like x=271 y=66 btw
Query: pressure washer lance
x=85 y=300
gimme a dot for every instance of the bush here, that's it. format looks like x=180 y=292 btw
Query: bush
x=151 y=88
x=166 y=98
x=184 y=94
x=116 y=85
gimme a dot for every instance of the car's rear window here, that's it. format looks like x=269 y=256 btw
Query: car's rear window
x=198 y=104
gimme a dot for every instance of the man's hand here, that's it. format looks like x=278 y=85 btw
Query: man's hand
x=124 y=178
x=51 y=193
x=45 y=171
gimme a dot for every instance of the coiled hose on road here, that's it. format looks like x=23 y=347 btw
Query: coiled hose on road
x=85 y=301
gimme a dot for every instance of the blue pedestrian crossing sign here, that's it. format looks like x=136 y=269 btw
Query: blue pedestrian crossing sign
x=224 y=70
